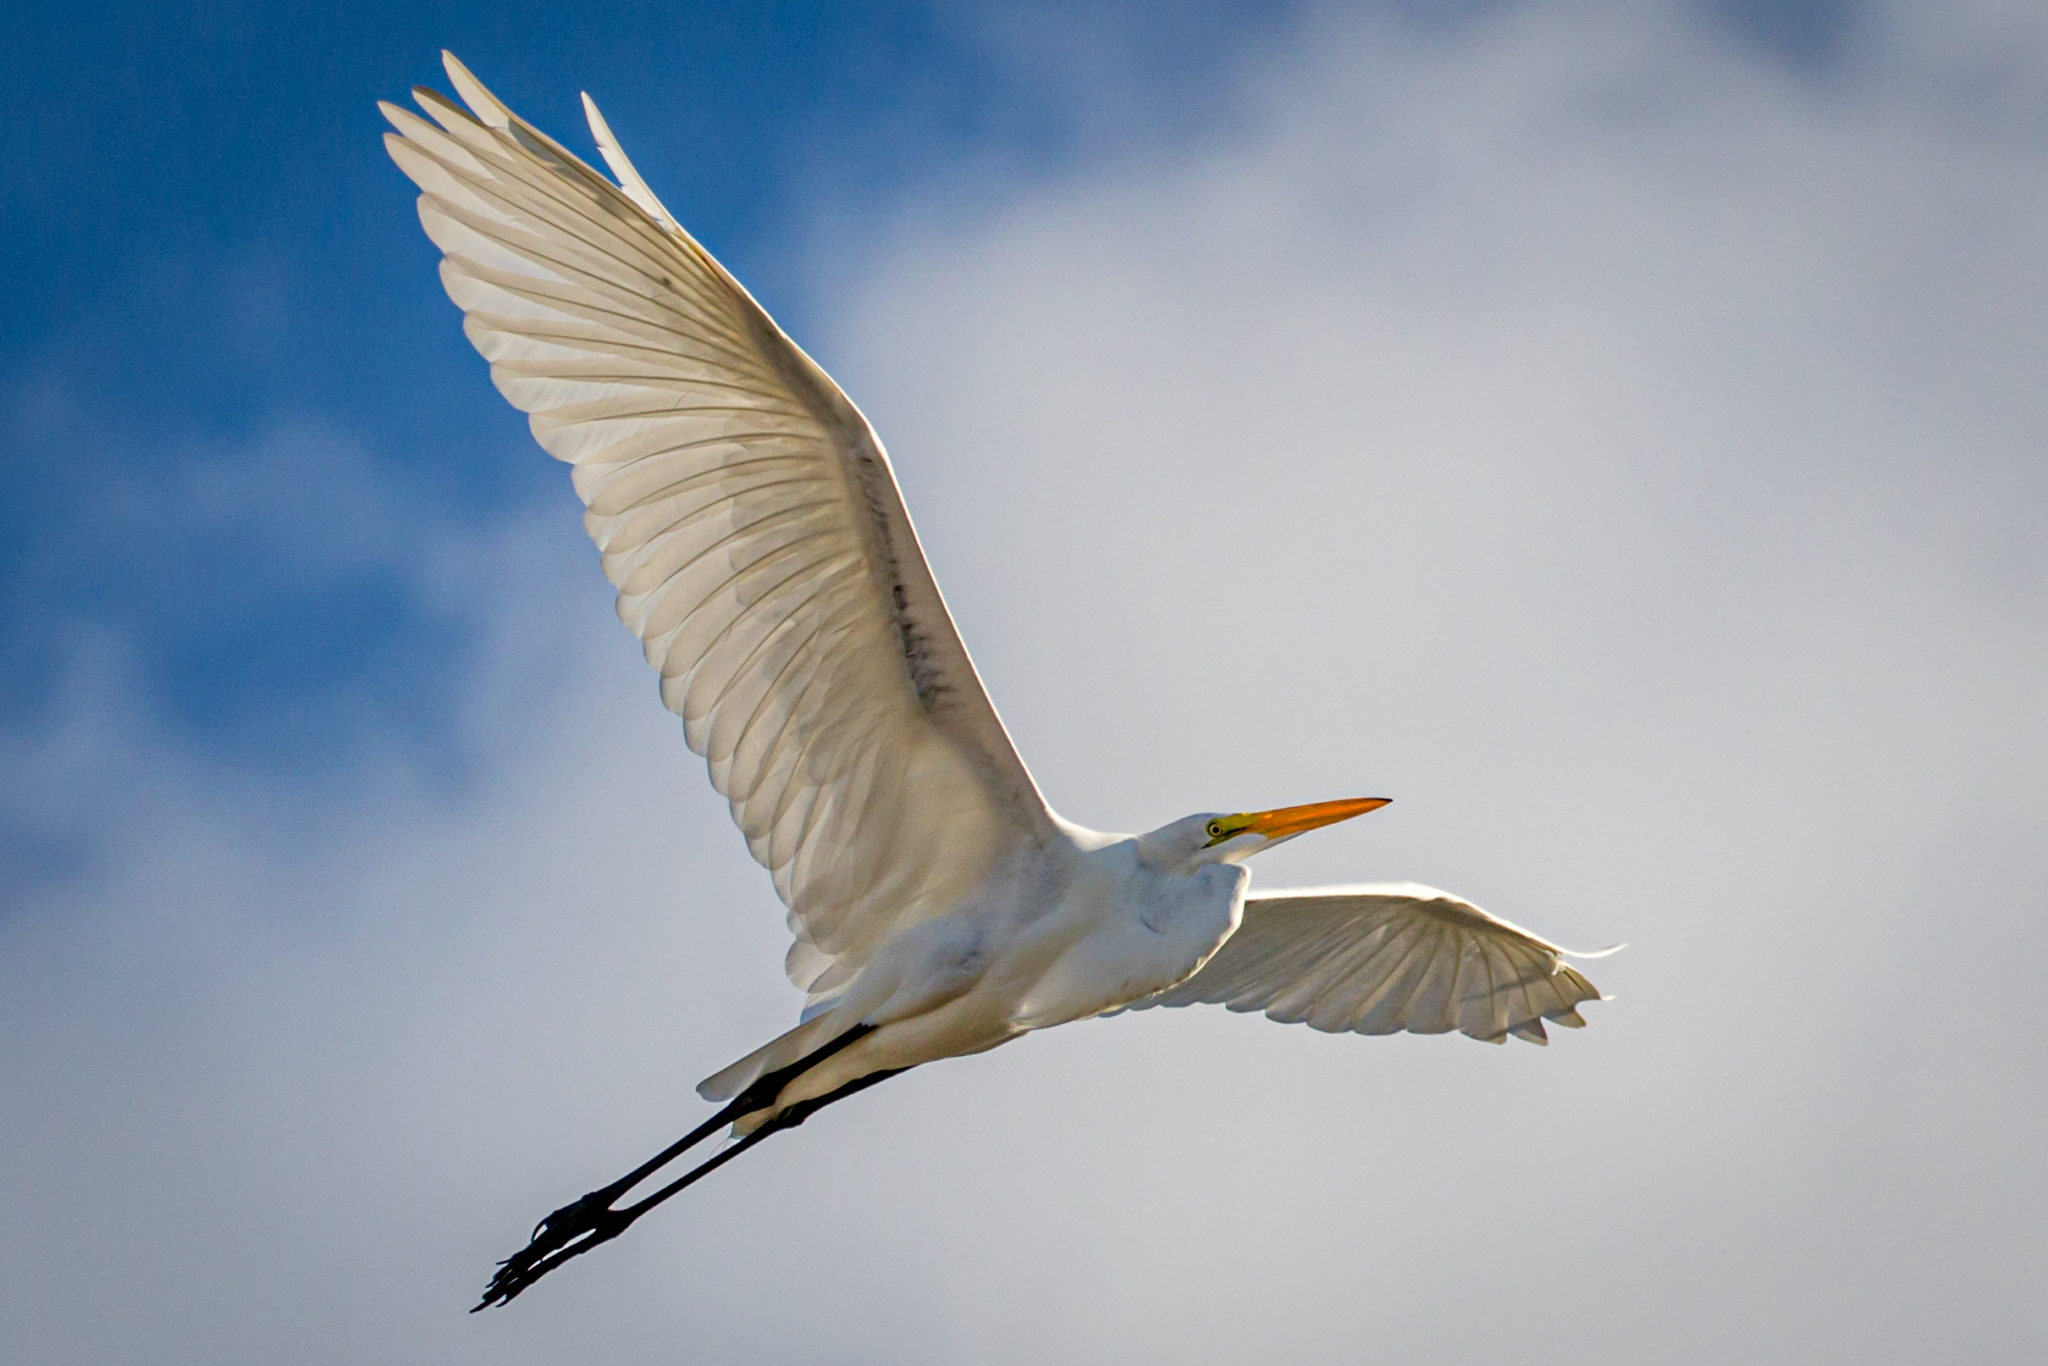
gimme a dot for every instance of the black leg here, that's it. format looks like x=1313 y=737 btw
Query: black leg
x=577 y=1227
x=600 y=1224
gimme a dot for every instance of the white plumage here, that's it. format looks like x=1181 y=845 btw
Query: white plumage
x=1383 y=959
x=747 y=515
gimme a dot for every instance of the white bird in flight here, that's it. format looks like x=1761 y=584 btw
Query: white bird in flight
x=749 y=518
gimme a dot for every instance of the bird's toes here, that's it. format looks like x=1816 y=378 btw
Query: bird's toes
x=555 y=1241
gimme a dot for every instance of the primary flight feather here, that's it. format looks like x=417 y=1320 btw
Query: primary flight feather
x=747 y=515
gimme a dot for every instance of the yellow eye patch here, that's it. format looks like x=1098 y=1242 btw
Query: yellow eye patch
x=1223 y=827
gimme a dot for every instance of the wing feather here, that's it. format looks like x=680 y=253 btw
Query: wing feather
x=1387 y=959
x=1432 y=1001
x=748 y=517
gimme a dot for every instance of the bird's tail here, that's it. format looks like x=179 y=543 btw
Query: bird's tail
x=782 y=1051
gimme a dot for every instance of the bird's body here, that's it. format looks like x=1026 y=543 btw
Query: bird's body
x=748 y=515
x=1087 y=923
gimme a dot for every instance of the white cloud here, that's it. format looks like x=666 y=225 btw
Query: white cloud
x=1620 y=450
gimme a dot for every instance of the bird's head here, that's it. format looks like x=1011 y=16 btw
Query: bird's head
x=1216 y=837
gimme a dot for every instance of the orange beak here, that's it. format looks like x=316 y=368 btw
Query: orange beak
x=1289 y=821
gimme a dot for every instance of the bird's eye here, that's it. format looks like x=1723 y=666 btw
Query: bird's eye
x=1215 y=829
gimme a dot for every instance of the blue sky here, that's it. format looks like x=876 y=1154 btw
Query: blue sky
x=1611 y=429
x=205 y=239
x=202 y=244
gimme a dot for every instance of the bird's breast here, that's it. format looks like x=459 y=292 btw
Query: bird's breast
x=1137 y=935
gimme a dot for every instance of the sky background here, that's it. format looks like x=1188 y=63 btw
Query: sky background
x=1614 y=431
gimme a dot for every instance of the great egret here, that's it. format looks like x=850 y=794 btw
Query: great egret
x=749 y=518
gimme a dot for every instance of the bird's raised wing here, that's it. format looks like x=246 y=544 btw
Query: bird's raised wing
x=749 y=518
x=1382 y=959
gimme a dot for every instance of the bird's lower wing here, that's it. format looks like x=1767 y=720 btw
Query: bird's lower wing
x=1384 y=959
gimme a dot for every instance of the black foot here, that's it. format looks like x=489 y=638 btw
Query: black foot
x=570 y=1231
x=577 y=1227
